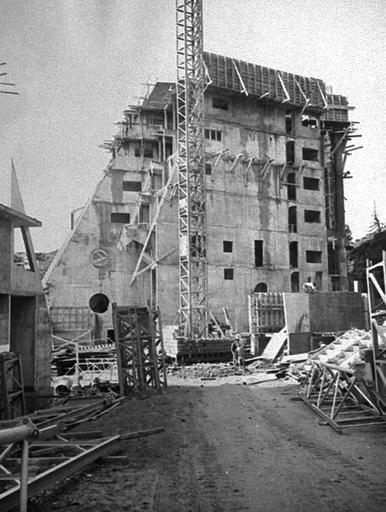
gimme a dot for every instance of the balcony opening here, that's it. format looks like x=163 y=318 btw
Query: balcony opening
x=292 y=219
x=291 y=186
x=290 y=152
x=295 y=282
x=293 y=254
x=289 y=123
x=259 y=253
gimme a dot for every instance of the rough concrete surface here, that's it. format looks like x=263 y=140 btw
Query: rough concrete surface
x=227 y=448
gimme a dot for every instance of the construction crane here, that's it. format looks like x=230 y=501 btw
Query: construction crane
x=190 y=86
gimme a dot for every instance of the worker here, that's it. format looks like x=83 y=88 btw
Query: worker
x=309 y=286
x=234 y=352
x=240 y=352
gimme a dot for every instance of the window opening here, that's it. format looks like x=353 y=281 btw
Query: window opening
x=228 y=273
x=227 y=246
x=310 y=183
x=148 y=150
x=120 y=218
x=310 y=154
x=310 y=121
x=292 y=219
x=208 y=168
x=137 y=150
x=132 y=186
x=144 y=213
x=311 y=216
x=213 y=134
x=259 y=253
x=313 y=256
x=220 y=103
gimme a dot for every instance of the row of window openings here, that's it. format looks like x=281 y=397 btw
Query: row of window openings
x=306 y=120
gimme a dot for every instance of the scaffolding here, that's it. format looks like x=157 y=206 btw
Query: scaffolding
x=140 y=352
x=191 y=78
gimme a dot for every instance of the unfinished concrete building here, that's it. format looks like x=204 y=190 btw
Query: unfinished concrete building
x=275 y=149
x=24 y=322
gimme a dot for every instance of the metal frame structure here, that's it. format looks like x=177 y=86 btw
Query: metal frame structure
x=12 y=399
x=376 y=292
x=140 y=353
x=190 y=86
x=340 y=398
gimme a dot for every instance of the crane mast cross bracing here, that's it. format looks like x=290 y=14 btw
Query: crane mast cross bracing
x=193 y=307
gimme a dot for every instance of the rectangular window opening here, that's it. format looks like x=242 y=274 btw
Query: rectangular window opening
x=148 y=150
x=228 y=274
x=311 y=216
x=258 y=253
x=310 y=183
x=227 y=246
x=120 y=218
x=310 y=154
x=132 y=186
x=213 y=134
x=313 y=256
x=220 y=103
x=208 y=168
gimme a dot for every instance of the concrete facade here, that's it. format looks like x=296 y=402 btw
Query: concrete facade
x=269 y=224
x=24 y=322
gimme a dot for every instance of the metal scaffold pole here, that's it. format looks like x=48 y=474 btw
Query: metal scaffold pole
x=191 y=179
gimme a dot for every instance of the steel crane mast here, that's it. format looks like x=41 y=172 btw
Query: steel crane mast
x=191 y=169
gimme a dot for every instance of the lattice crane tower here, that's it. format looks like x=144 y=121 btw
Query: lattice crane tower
x=191 y=168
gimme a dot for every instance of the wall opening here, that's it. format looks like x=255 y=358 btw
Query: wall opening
x=259 y=257
x=291 y=186
x=132 y=186
x=208 y=168
x=293 y=255
x=228 y=273
x=292 y=219
x=295 y=282
x=99 y=303
x=227 y=246
x=213 y=134
x=289 y=122
x=120 y=218
x=311 y=183
x=144 y=213
x=148 y=150
x=220 y=103
x=310 y=154
x=312 y=216
x=290 y=152
x=314 y=256
x=319 y=280
x=261 y=288
x=310 y=121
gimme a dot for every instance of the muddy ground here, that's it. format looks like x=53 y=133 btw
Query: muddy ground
x=229 y=445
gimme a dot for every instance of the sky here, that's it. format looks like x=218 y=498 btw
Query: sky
x=78 y=63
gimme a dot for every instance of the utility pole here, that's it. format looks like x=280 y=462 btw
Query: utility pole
x=191 y=169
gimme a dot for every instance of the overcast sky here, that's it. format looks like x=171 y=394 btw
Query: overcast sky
x=78 y=63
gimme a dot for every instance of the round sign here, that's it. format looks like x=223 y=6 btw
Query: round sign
x=99 y=258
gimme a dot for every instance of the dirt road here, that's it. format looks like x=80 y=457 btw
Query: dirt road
x=229 y=448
